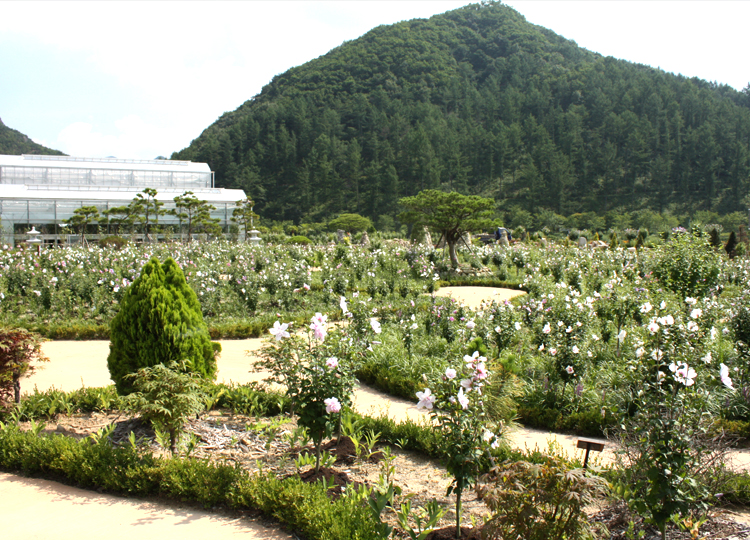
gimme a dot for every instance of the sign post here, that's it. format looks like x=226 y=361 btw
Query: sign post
x=588 y=445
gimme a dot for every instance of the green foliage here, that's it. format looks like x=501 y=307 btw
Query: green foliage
x=251 y=400
x=15 y=143
x=159 y=322
x=352 y=223
x=114 y=242
x=458 y=414
x=244 y=216
x=452 y=214
x=665 y=442
x=80 y=220
x=318 y=383
x=539 y=501
x=167 y=397
x=45 y=405
x=299 y=240
x=196 y=215
x=95 y=463
x=731 y=245
x=687 y=265
x=479 y=100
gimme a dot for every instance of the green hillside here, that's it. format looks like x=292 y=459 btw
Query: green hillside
x=15 y=143
x=481 y=101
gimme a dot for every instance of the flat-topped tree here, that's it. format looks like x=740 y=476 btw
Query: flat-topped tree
x=244 y=216
x=159 y=322
x=352 y=223
x=81 y=219
x=452 y=214
x=195 y=213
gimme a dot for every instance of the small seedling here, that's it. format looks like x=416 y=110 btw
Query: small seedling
x=425 y=518
x=304 y=460
x=162 y=438
x=35 y=428
x=192 y=444
x=371 y=439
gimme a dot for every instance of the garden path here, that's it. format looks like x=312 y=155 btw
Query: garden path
x=35 y=509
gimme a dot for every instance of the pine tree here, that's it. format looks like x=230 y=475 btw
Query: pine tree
x=731 y=245
x=159 y=322
x=714 y=238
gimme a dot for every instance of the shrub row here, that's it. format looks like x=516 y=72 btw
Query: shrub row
x=92 y=463
x=586 y=422
x=249 y=399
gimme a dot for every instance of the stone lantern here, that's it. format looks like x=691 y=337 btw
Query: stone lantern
x=34 y=240
x=254 y=237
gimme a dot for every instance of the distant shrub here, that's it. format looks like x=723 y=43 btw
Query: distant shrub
x=115 y=242
x=687 y=265
x=301 y=240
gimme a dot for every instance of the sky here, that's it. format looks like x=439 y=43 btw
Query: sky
x=142 y=79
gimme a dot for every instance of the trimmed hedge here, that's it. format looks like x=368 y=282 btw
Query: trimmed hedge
x=92 y=463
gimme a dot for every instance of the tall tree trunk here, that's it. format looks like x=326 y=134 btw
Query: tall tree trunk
x=17 y=387
x=453 y=255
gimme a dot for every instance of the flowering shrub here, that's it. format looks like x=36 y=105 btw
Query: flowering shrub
x=665 y=442
x=687 y=265
x=319 y=383
x=456 y=408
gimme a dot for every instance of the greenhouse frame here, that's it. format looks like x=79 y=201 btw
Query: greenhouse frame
x=41 y=191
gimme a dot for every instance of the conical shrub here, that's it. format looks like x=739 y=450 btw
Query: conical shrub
x=159 y=322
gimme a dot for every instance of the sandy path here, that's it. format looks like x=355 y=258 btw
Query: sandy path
x=474 y=296
x=35 y=509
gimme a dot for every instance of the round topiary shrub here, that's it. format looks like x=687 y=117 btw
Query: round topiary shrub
x=302 y=240
x=115 y=242
x=159 y=322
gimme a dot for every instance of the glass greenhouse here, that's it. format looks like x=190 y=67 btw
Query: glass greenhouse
x=44 y=191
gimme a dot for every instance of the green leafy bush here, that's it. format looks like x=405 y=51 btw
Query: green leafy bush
x=95 y=463
x=166 y=397
x=539 y=501
x=300 y=240
x=159 y=322
x=687 y=265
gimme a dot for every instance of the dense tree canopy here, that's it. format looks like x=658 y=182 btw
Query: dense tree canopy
x=479 y=101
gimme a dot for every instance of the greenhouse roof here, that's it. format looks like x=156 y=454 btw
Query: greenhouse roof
x=70 y=162
x=107 y=193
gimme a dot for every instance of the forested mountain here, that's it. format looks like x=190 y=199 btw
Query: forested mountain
x=15 y=143
x=481 y=101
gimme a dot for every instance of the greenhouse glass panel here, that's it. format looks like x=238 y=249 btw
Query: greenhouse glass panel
x=15 y=211
x=65 y=209
x=41 y=211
